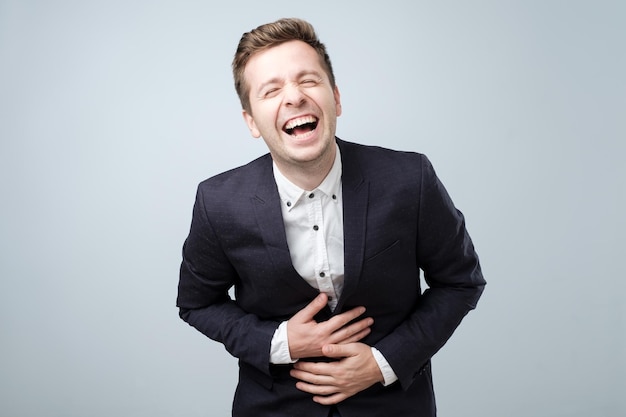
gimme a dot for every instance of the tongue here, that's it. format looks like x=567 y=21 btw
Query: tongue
x=302 y=129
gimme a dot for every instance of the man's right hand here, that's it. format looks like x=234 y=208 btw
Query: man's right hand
x=307 y=337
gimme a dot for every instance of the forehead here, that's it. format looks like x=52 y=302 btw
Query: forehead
x=282 y=62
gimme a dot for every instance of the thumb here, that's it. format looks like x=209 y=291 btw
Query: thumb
x=311 y=309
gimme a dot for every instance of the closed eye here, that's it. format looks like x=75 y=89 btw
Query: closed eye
x=309 y=82
x=270 y=92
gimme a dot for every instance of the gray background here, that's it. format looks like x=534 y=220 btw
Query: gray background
x=112 y=112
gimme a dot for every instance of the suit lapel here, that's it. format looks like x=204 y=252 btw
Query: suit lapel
x=266 y=203
x=355 y=202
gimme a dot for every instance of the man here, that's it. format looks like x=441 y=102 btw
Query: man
x=323 y=241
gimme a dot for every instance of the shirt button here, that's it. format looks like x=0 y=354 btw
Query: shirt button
x=322 y=274
x=334 y=197
x=288 y=203
x=311 y=195
x=316 y=228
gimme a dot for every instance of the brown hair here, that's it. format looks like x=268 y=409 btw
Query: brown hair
x=267 y=36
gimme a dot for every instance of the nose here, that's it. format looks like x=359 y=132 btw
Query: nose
x=293 y=95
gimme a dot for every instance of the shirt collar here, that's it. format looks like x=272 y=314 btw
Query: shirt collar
x=291 y=194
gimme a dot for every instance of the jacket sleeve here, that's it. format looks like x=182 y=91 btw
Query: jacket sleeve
x=452 y=271
x=206 y=276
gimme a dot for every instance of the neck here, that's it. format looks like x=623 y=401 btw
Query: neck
x=309 y=176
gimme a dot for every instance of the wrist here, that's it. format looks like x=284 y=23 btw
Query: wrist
x=387 y=373
x=279 y=348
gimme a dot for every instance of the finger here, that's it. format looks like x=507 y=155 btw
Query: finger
x=315 y=368
x=311 y=378
x=340 y=351
x=348 y=333
x=311 y=309
x=355 y=337
x=330 y=399
x=318 y=390
x=340 y=320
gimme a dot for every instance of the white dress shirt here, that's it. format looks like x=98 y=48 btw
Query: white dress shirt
x=314 y=227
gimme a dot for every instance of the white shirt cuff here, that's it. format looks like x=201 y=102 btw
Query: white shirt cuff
x=279 y=347
x=388 y=374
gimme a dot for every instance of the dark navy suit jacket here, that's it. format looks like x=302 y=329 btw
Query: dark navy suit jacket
x=398 y=220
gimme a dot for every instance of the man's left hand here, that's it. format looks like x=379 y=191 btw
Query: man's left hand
x=333 y=382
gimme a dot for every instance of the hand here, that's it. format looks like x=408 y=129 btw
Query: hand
x=307 y=337
x=333 y=382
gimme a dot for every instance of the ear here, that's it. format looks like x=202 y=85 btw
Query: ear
x=247 y=117
x=337 y=100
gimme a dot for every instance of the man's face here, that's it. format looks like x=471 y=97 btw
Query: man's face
x=292 y=105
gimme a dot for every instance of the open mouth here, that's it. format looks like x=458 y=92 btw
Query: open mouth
x=300 y=125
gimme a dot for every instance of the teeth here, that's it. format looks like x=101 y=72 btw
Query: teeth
x=299 y=122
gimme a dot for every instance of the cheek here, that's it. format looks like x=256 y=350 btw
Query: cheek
x=267 y=113
x=264 y=123
x=264 y=120
x=331 y=104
